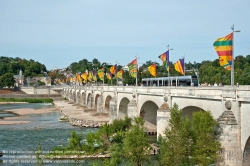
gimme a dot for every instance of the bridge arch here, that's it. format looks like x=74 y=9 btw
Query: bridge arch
x=90 y=100
x=96 y=99
x=215 y=106
x=148 y=112
x=123 y=108
x=189 y=110
x=107 y=102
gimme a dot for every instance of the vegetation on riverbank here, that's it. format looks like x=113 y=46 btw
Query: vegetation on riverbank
x=187 y=141
x=28 y=100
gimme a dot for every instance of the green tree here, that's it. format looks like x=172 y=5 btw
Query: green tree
x=7 y=80
x=205 y=146
x=136 y=145
x=175 y=147
x=75 y=141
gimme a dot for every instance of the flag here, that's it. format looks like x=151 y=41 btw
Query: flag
x=120 y=74
x=90 y=77
x=224 y=48
x=94 y=75
x=84 y=77
x=152 y=70
x=165 y=59
x=113 y=69
x=179 y=66
x=109 y=76
x=133 y=68
x=100 y=73
x=78 y=77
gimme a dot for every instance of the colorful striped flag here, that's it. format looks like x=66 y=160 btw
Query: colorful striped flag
x=109 y=76
x=100 y=73
x=113 y=69
x=120 y=74
x=133 y=68
x=165 y=59
x=152 y=70
x=224 y=48
x=179 y=66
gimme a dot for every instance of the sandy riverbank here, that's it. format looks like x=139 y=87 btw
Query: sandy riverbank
x=24 y=112
x=81 y=116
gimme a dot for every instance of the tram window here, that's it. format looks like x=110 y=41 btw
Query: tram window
x=144 y=83
x=165 y=83
x=155 y=83
x=160 y=83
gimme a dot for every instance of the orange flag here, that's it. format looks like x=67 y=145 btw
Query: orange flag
x=152 y=70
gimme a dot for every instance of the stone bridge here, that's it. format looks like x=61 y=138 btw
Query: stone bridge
x=230 y=106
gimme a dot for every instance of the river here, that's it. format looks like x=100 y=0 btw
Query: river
x=24 y=138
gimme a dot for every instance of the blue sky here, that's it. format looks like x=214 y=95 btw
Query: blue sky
x=59 y=32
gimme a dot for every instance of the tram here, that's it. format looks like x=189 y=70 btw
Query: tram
x=189 y=80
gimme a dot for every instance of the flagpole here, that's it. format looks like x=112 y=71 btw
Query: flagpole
x=184 y=65
x=116 y=74
x=136 y=81
x=168 y=65
x=232 y=66
x=103 y=77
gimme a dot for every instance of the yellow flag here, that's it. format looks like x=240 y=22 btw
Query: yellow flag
x=152 y=70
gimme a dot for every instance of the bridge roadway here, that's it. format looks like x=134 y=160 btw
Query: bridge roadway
x=230 y=106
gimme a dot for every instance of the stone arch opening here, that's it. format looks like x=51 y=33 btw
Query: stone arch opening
x=188 y=111
x=123 y=108
x=89 y=101
x=107 y=101
x=246 y=153
x=74 y=96
x=83 y=98
x=149 y=113
x=96 y=98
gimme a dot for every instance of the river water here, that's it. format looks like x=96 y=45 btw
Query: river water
x=23 y=139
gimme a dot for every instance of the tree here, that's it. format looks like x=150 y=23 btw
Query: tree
x=7 y=80
x=175 y=147
x=189 y=141
x=205 y=145
x=136 y=145
x=75 y=141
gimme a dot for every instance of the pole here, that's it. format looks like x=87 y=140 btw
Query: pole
x=232 y=66
x=168 y=67
x=103 y=75
x=136 y=80
x=184 y=65
x=116 y=74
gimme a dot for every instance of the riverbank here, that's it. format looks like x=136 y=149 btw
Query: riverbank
x=80 y=116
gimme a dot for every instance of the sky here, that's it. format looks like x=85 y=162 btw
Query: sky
x=57 y=33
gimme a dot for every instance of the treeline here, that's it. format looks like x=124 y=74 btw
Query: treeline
x=208 y=71
x=30 y=67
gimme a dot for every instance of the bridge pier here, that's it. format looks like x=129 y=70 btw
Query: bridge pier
x=99 y=107
x=113 y=108
x=162 y=119
x=231 y=153
x=132 y=108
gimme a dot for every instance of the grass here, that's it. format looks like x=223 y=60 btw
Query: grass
x=28 y=100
